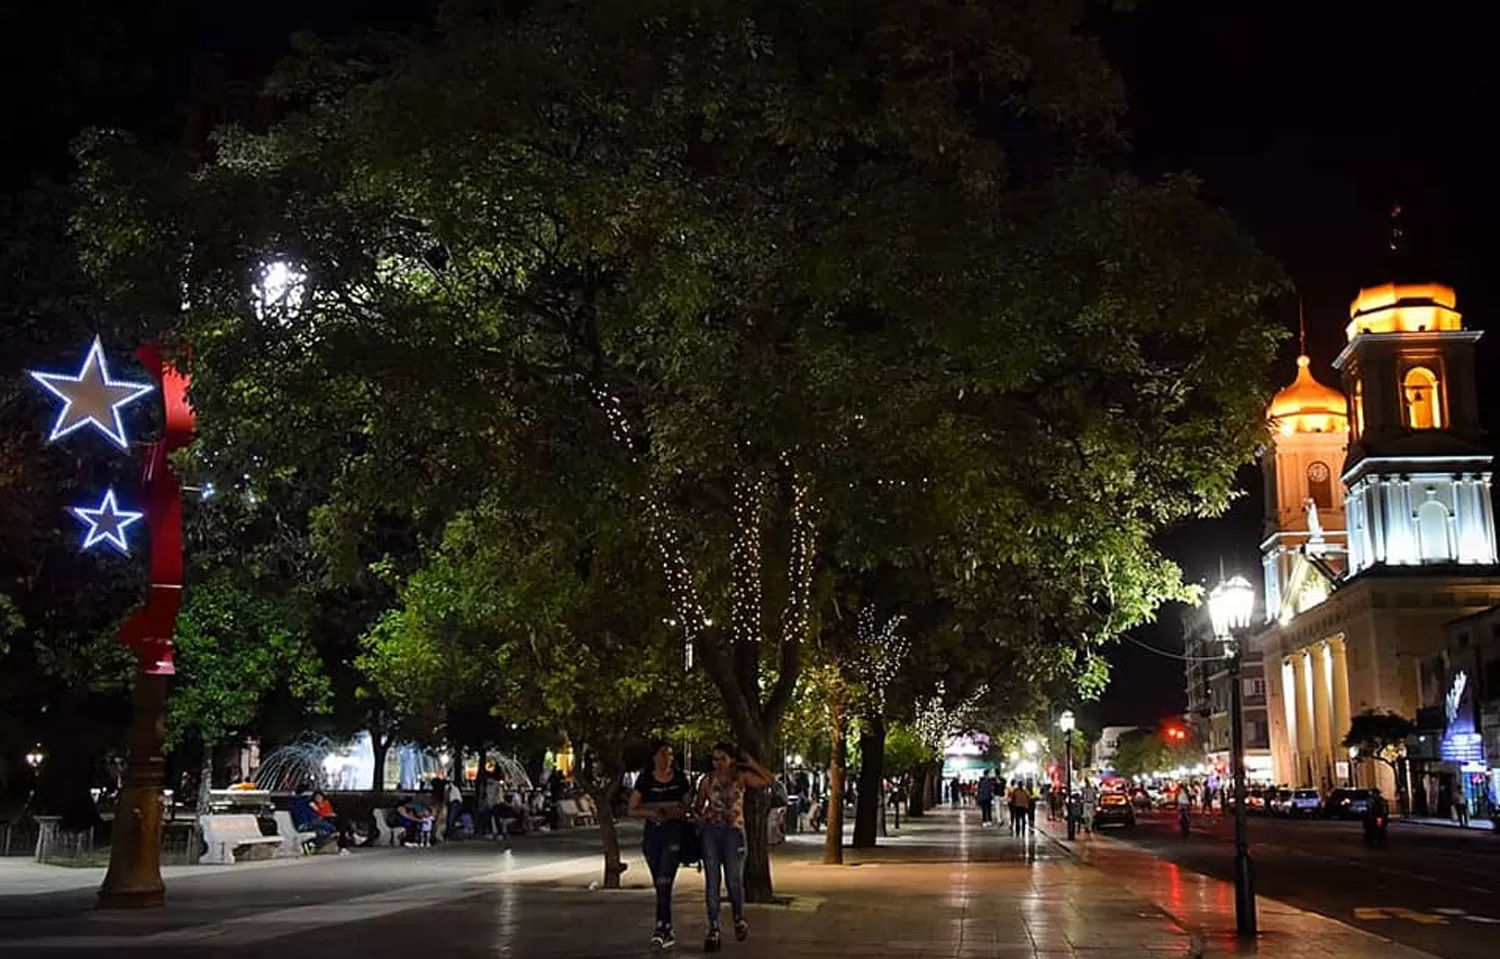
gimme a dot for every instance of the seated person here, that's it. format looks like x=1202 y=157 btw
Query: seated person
x=307 y=819
x=327 y=817
x=409 y=817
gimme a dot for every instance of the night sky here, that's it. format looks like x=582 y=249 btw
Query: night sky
x=1308 y=120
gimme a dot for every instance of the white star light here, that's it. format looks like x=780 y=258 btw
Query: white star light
x=91 y=397
x=107 y=523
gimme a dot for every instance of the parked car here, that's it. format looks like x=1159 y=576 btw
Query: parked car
x=1305 y=802
x=1279 y=802
x=1114 y=809
x=1346 y=803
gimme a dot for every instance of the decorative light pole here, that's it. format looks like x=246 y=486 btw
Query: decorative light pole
x=1230 y=606
x=93 y=398
x=35 y=758
x=1065 y=722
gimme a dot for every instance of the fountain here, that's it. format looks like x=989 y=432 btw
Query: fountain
x=511 y=771
x=300 y=764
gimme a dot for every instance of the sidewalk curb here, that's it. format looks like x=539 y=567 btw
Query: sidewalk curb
x=1197 y=944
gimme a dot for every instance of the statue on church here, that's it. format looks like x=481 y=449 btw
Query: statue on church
x=1314 y=525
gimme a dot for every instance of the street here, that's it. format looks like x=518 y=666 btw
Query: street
x=1428 y=887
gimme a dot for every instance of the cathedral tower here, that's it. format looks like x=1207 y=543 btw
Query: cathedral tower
x=1417 y=474
x=1304 y=496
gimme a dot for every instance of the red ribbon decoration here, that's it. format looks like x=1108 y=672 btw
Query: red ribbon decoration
x=149 y=632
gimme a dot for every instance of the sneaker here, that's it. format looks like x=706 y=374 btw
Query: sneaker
x=741 y=929
x=667 y=939
x=712 y=943
x=659 y=936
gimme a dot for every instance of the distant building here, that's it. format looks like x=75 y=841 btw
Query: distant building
x=1457 y=747
x=1109 y=741
x=1208 y=703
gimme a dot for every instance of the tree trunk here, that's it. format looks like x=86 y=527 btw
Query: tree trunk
x=379 y=746
x=758 y=886
x=867 y=814
x=604 y=799
x=838 y=736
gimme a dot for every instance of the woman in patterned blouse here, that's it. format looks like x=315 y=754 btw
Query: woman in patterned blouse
x=721 y=814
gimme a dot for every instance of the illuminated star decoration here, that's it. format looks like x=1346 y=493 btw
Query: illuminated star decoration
x=107 y=523
x=91 y=397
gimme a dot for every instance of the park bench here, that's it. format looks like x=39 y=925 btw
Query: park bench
x=294 y=841
x=385 y=833
x=569 y=815
x=226 y=836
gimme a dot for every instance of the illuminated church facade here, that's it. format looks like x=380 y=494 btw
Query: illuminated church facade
x=1379 y=529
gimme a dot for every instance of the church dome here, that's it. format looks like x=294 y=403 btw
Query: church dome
x=1308 y=406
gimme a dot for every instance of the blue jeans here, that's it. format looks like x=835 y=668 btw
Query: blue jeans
x=662 y=845
x=723 y=849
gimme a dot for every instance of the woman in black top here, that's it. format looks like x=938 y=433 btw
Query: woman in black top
x=660 y=797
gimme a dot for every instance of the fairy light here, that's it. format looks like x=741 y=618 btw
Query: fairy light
x=800 y=563
x=881 y=652
x=744 y=557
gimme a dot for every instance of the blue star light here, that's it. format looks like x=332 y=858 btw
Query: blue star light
x=107 y=523
x=91 y=397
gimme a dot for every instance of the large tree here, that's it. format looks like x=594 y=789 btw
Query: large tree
x=822 y=270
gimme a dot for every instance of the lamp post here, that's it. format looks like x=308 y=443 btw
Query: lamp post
x=1230 y=606
x=1065 y=722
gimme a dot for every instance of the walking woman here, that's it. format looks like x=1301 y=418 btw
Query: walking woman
x=660 y=797
x=721 y=816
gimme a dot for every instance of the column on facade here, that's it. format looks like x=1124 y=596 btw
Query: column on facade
x=1375 y=489
x=1341 y=719
x=1304 y=740
x=1284 y=745
x=1322 y=709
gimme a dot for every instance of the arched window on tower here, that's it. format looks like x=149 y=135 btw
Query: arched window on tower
x=1359 y=407
x=1320 y=484
x=1420 y=388
x=1432 y=533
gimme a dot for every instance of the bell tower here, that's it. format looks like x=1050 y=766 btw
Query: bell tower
x=1417 y=473
x=1304 y=495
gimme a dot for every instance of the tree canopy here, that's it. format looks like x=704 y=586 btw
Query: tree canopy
x=810 y=290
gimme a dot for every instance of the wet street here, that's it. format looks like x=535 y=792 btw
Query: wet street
x=1430 y=887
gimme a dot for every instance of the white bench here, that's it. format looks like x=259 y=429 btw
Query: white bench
x=225 y=836
x=294 y=841
x=386 y=834
x=569 y=815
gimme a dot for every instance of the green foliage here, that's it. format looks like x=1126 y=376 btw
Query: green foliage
x=1379 y=735
x=1143 y=752
x=238 y=651
x=904 y=749
x=579 y=267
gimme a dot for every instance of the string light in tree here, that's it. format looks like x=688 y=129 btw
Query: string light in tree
x=744 y=558
x=881 y=652
x=800 y=561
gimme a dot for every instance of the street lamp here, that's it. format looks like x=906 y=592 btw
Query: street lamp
x=1230 y=606
x=1030 y=746
x=1065 y=722
x=35 y=758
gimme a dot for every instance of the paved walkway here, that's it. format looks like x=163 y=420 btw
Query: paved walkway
x=943 y=889
x=1205 y=907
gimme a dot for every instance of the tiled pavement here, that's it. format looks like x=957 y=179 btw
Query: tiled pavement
x=943 y=888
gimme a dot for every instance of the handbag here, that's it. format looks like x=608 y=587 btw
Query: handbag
x=690 y=847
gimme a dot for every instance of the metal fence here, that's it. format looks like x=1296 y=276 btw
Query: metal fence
x=18 y=839
x=180 y=846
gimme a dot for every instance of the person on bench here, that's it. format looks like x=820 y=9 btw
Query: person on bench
x=408 y=817
x=329 y=822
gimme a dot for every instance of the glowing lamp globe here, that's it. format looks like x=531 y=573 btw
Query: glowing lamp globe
x=1230 y=606
x=1066 y=722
